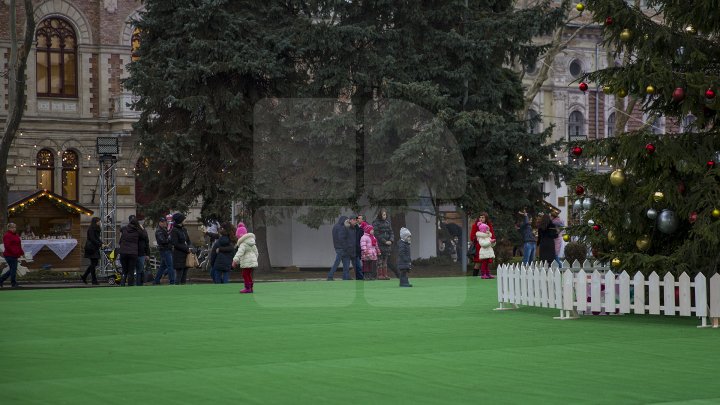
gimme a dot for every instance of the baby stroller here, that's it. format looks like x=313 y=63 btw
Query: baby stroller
x=114 y=274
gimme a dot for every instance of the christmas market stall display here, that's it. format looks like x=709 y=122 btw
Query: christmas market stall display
x=49 y=226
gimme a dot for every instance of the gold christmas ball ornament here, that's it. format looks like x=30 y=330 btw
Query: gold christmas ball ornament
x=715 y=213
x=625 y=35
x=612 y=238
x=658 y=196
x=650 y=89
x=566 y=238
x=622 y=93
x=690 y=30
x=643 y=243
x=580 y=7
x=607 y=89
x=615 y=262
x=617 y=178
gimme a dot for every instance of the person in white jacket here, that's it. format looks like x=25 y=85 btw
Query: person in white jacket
x=246 y=258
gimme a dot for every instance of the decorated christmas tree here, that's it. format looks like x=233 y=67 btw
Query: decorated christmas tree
x=658 y=207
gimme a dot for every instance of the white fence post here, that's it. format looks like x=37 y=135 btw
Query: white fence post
x=669 y=296
x=581 y=291
x=684 y=287
x=639 y=288
x=624 y=293
x=610 y=292
x=596 y=292
x=654 y=294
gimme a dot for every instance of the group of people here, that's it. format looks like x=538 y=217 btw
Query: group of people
x=234 y=247
x=548 y=241
x=370 y=247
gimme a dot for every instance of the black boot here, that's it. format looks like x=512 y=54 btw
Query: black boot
x=404 y=282
x=476 y=272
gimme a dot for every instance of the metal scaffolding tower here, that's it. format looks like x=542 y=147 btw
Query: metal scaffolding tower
x=108 y=150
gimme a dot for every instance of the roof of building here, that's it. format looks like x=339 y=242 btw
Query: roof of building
x=20 y=198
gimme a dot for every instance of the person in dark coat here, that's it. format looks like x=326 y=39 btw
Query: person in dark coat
x=143 y=252
x=180 y=242
x=222 y=253
x=162 y=237
x=386 y=239
x=93 y=244
x=344 y=244
x=404 y=258
x=129 y=248
x=359 y=231
x=547 y=232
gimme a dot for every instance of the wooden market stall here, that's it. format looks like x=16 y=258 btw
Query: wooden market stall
x=54 y=240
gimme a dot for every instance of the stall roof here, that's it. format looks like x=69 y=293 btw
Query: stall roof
x=18 y=199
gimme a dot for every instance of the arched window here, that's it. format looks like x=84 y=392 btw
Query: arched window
x=70 y=175
x=56 y=58
x=533 y=119
x=611 y=125
x=45 y=167
x=135 y=44
x=576 y=124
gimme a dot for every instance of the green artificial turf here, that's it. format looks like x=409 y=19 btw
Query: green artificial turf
x=339 y=342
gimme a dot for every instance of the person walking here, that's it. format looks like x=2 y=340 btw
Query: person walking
x=404 y=258
x=13 y=252
x=529 y=240
x=162 y=237
x=547 y=232
x=180 y=241
x=93 y=244
x=483 y=218
x=143 y=252
x=386 y=240
x=246 y=258
x=344 y=244
x=129 y=248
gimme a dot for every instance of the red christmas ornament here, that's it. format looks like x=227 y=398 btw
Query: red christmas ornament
x=681 y=188
x=693 y=217
x=596 y=228
x=579 y=190
x=577 y=151
x=650 y=148
x=710 y=164
x=678 y=94
x=583 y=86
x=609 y=21
x=710 y=94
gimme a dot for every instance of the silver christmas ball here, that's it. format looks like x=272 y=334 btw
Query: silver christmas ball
x=587 y=204
x=577 y=206
x=591 y=222
x=652 y=213
x=667 y=222
x=628 y=221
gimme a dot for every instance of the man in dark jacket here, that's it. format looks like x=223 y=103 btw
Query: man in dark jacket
x=344 y=244
x=180 y=242
x=162 y=237
x=357 y=261
x=129 y=248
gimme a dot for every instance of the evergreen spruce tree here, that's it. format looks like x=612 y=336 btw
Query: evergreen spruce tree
x=206 y=67
x=659 y=209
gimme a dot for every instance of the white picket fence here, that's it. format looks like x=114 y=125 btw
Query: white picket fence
x=593 y=288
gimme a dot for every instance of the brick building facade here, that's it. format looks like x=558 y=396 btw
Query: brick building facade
x=74 y=95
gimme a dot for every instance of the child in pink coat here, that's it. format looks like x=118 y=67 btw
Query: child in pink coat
x=369 y=252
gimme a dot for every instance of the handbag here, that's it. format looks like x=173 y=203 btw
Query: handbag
x=471 y=250
x=191 y=261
